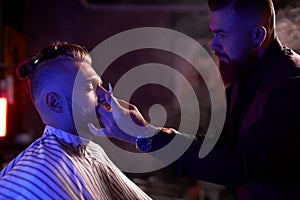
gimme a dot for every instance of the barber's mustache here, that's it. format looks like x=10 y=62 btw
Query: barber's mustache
x=221 y=54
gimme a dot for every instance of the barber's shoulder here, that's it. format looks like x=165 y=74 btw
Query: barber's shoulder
x=290 y=61
x=290 y=86
x=292 y=56
x=295 y=57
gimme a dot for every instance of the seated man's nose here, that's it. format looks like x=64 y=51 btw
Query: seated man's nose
x=100 y=91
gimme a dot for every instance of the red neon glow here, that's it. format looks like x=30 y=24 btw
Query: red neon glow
x=3 y=114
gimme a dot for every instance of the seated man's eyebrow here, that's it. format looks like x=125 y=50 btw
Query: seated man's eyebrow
x=94 y=80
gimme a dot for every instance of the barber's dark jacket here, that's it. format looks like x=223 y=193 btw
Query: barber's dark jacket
x=259 y=149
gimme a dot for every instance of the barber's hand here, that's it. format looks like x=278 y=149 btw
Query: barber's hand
x=121 y=119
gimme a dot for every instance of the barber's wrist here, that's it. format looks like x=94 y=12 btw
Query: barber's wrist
x=145 y=132
x=144 y=144
x=157 y=141
x=144 y=141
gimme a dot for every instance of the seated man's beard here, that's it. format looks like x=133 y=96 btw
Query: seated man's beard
x=234 y=72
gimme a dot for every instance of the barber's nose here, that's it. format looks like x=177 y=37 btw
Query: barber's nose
x=215 y=44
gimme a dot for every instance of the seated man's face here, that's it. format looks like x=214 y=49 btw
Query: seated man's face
x=85 y=100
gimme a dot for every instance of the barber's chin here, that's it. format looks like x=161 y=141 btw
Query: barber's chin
x=226 y=72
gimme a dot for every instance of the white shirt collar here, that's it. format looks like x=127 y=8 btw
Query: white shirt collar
x=66 y=137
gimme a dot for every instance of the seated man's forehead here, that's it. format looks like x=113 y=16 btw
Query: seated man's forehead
x=87 y=73
x=86 y=69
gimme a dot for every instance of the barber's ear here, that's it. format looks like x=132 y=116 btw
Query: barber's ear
x=258 y=36
x=54 y=102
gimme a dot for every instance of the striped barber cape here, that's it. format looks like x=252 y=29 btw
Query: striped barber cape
x=60 y=165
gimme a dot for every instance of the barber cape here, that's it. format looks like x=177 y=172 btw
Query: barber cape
x=60 y=165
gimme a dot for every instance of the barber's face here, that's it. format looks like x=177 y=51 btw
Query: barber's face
x=231 y=39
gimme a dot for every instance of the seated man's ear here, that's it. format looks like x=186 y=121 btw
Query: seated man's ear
x=259 y=34
x=54 y=103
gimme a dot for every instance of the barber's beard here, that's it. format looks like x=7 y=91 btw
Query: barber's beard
x=235 y=71
x=226 y=72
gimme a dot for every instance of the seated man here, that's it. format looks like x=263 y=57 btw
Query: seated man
x=64 y=163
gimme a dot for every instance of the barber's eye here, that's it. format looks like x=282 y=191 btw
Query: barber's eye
x=221 y=35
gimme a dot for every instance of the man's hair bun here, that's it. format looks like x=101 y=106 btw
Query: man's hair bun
x=25 y=69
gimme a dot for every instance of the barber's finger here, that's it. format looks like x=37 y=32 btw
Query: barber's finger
x=170 y=131
x=114 y=103
x=107 y=122
x=110 y=89
x=123 y=103
x=100 y=91
x=95 y=131
x=104 y=112
x=126 y=105
x=110 y=99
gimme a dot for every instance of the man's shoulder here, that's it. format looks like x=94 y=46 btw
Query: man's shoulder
x=40 y=154
x=295 y=57
x=290 y=58
x=286 y=72
x=291 y=85
x=292 y=61
x=44 y=168
x=286 y=66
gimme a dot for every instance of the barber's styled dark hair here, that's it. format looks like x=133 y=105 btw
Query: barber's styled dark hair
x=29 y=69
x=239 y=4
x=261 y=9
